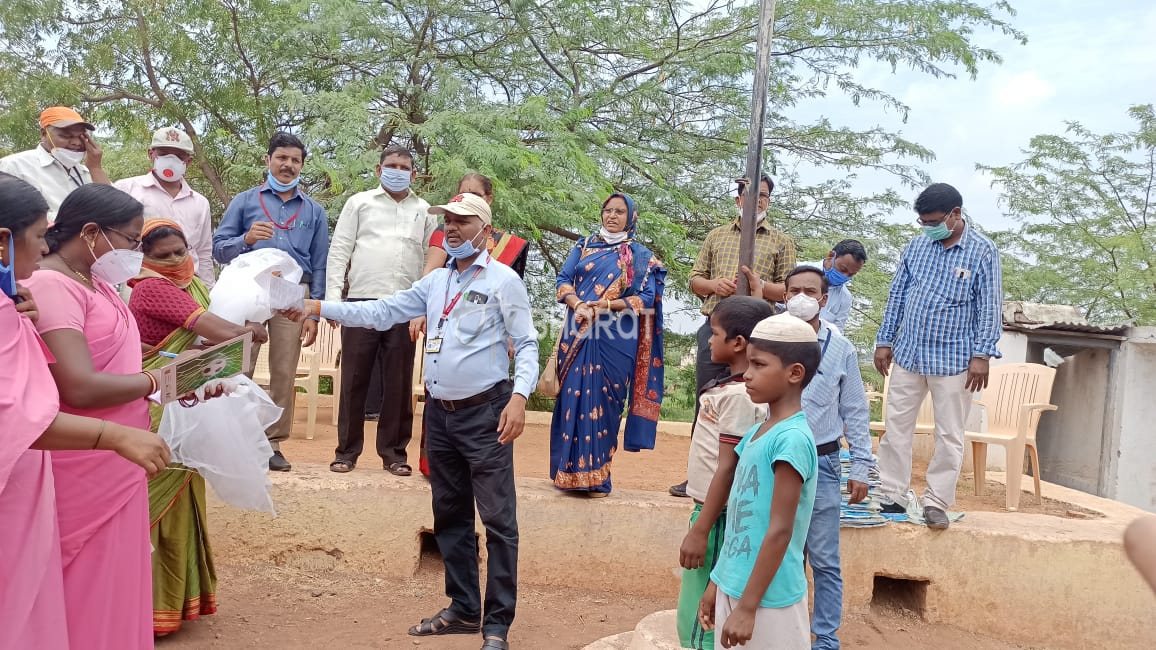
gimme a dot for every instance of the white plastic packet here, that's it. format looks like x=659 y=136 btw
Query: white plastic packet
x=242 y=291
x=224 y=439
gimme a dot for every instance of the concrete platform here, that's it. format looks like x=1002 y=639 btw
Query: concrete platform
x=616 y=642
x=1034 y=579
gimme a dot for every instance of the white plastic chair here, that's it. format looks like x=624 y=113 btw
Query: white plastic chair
x=1017 y=394
x=322 y=359
x=261 y=366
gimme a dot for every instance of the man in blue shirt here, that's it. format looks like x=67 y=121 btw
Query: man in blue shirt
x=941 y=325
x=473 y=306
x=835 y=404
x=840 y=265
x=276 y=214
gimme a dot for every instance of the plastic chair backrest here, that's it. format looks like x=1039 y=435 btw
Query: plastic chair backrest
x=925 y=422
x=261 y=373
x=1009 y=387
x=327 y=347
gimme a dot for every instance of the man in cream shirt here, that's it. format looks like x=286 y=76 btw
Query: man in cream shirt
x=378 y=249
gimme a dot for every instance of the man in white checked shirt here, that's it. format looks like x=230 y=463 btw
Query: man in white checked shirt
x=941 y=325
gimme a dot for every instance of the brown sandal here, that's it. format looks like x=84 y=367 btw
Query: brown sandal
x=444 y=623
x=341 y=466
x=399 y=469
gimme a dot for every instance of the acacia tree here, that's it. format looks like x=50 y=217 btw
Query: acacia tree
x=559 y=101
x=1088 y=216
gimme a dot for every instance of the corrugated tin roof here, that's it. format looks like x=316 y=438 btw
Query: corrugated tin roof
x=1063 y=318
x=1083 y=328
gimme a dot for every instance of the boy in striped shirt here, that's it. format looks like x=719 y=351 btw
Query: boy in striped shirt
x=725 y=413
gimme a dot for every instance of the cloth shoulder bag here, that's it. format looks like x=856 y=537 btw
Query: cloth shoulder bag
x=548 y=383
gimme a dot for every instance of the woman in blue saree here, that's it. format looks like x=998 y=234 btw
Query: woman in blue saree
x=610 y=353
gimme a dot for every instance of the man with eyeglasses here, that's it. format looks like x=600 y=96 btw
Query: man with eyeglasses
x=66 y=158
x=716 y=271
x=941 y=325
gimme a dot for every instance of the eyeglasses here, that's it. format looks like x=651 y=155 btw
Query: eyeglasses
x=935 y=222
x=135 y=241
x=620 y=212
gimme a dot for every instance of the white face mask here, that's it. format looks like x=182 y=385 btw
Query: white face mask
x=68 y=157
x=612 y=237
x=803 y=307
x=169 y=168
x=118 y=265
x=761 y=217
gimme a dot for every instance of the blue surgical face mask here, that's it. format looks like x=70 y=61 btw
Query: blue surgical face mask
x=395 y=180
x=463 y=250
x=836 y=278
x=8 y=273
x=283 y=187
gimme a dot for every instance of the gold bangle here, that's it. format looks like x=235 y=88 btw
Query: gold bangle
x=152 y=382
x=99 y=434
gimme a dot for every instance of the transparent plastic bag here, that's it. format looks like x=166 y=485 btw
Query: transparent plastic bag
x=224 y=440
x=242 y=291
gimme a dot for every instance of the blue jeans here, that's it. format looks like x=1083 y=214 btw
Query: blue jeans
x=823 y=555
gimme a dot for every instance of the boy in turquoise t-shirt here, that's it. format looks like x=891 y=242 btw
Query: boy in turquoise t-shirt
x=757 y=596
x=725 y=414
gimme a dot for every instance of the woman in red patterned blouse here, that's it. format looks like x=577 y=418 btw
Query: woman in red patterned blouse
x=167 y=296
x=169 y=304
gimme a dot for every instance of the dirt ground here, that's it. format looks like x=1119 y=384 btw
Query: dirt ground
x=263 y=605
x=655 y=470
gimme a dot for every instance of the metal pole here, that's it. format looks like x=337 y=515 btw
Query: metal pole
x=755 y=140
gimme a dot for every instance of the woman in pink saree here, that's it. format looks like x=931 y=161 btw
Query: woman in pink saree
x=101 y=498
x=32 y=594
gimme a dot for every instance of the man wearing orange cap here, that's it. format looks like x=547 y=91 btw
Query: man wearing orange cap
x=58 y=165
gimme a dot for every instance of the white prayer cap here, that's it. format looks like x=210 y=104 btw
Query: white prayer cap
x=785 y=328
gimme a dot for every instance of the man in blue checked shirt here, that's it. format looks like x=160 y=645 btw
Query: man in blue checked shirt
x=941 y=325
x=473 y=306
x=835 y=404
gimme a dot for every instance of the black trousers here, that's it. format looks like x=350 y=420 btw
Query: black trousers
x=373 y=397
x=392 y=353
x=468 y=465
x=704 y=369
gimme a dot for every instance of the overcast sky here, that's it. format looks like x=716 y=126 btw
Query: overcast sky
x=1084 y=61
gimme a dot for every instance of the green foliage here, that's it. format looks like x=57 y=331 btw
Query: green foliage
x=1085 y=202
x=679 y=397
x=560 y=103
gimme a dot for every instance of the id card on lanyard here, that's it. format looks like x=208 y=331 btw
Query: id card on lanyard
x=433 y=345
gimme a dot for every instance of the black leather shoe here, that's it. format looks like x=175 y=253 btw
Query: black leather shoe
x=936 y=518
x=678 y=490
x=277 y=463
